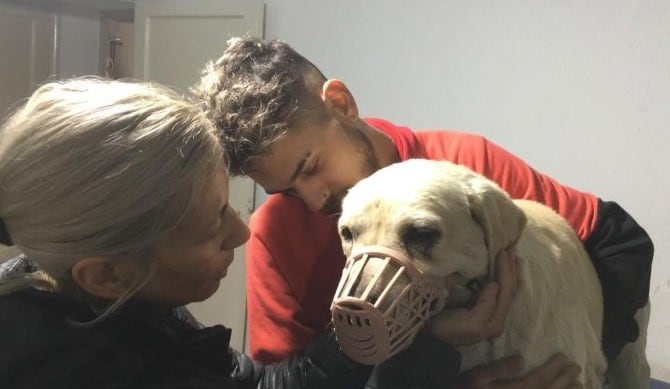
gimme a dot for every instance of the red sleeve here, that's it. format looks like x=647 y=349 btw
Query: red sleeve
x=513 y=175
x=521 y=181
x=275 y=328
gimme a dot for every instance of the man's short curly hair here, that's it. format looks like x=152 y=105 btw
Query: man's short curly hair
x=255 y=92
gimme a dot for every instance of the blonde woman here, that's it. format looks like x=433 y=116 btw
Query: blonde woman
x=117 y=194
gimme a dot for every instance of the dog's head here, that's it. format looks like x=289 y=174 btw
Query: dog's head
x=447 y=219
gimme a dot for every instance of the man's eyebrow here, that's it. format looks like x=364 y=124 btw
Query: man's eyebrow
x=296 y=173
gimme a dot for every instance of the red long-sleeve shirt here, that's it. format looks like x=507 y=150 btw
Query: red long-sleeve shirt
x=294 y=256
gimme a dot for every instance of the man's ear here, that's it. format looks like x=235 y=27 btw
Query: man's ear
x=337 y=97
x=103 y=277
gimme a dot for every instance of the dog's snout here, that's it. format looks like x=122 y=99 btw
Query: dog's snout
x=375 y=275
x=381 y=303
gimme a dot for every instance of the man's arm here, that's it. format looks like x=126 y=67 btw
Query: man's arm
x=321 y=366
x=619 y=248
x=487 y=318
x=275 y=328
x=427 y=363
x=556 y=373
x=513 y=175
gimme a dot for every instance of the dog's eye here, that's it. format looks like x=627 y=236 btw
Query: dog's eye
x=345 y=233
x=419 y=239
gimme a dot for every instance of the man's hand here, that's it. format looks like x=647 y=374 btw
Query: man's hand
x=556 y=373
x=486 y=319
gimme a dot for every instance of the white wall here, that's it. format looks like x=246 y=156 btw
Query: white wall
x=77 y=33
x=77 y=37
x=79 y=40
x=580 y=89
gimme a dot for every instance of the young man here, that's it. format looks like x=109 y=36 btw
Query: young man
x=299 y=135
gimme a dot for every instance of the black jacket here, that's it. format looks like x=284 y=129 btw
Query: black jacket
x=141 y=347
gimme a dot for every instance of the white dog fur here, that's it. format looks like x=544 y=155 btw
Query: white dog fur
x=558 y=302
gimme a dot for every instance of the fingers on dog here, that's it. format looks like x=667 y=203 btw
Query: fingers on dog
x=485 y=313
x=506 y=276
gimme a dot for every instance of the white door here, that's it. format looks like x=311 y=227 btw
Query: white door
x=27 y=52
x=27 y=59
x=173 y=40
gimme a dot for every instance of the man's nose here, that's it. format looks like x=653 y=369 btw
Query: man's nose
x=314 y=194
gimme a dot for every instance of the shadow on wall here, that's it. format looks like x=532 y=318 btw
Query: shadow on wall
x=655 y=384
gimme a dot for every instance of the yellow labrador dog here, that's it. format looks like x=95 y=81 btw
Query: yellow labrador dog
x=451 y=222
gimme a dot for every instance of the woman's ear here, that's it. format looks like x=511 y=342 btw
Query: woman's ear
x=105 y=278
x=337 y=97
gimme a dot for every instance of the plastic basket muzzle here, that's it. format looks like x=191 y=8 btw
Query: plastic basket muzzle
x=366 y=334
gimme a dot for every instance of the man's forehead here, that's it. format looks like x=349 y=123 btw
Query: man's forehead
x=266 y=172
x=263 y=166
x=278 y=167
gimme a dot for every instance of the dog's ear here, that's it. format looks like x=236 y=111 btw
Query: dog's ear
x=500 y=218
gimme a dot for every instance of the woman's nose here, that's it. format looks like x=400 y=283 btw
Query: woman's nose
x=240 y=232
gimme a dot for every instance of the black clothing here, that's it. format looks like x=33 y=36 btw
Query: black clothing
x=140 y=346
x=622 y=253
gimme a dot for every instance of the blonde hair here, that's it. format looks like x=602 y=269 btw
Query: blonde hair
x=92 y=167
